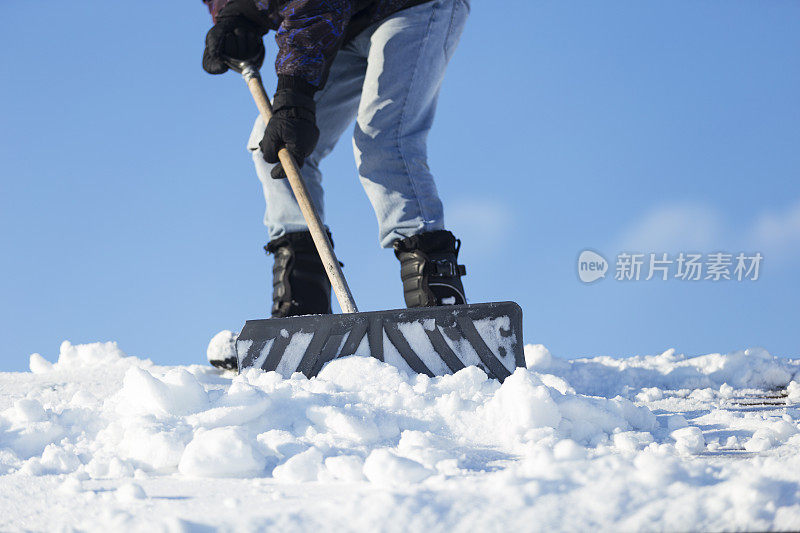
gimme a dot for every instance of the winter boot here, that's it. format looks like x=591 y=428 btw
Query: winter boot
x=300 y=285
x=429 y=269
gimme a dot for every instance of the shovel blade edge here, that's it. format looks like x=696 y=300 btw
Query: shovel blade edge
x=426 y=340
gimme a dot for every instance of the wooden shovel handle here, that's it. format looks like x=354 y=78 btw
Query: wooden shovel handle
x=318 y=233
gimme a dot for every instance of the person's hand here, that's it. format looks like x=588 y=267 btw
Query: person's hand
x=292 y=126
x=234 y=36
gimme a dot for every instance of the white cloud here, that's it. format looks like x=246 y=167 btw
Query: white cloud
x=777 y=232
x=484 y=221
x=675 y=227
x=702 y=228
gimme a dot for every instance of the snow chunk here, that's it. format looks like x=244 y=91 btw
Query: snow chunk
x=752 y=368
x=771 y=435
x=591 y=420
x=30 y=428
x=178 y=393
x=366 y=374
x=568 y=450
x=58 y=460
x=675 y=422
x=222 y=346
x=148 y=444
x=115 y=468
x=631 y=441
x=39 y=365
x=130 y=492
x=656 y=469
x=26 y=410
x=70 y=485
x=91 y=355
x=794 y=391
x=221 y=452
x=650 y=394
x=241 y=404
x=689 y=440
x=521 y=403
x=345 y=467
x=305 y=466
x=344 y=423
x=555 y=382
x=537 y=356
x=383 y=467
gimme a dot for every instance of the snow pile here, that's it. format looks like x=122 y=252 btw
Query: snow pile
x=569 y=444
x=753 y=368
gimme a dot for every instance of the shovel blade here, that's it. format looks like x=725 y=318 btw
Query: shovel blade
x=426 y=340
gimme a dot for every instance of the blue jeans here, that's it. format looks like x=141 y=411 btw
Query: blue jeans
x=388 y=79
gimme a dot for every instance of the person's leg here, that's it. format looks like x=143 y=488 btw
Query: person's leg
x=299 y=281
x=337 y=104
x=408 y=56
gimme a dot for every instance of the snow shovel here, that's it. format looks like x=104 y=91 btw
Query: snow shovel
x=426 y=340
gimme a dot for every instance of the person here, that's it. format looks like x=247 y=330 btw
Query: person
x=380 y=62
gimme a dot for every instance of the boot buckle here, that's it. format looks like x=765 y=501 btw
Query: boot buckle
x=444 y=268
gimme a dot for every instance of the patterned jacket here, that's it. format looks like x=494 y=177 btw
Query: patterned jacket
x=309 y=33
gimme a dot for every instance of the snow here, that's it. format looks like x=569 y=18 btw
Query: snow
x=221 y=347
x=221 y=452
x=98 y=440
x=689 y=440
x=384 y=467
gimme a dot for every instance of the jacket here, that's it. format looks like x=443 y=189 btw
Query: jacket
x=309 y=33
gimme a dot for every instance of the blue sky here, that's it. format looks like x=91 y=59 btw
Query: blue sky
x=130 y=211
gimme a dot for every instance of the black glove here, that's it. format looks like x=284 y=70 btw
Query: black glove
x=234 y=36
x=293 y=126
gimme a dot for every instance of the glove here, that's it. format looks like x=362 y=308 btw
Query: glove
x=293 y=126
x=233 y=36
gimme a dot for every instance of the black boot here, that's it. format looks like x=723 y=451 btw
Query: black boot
x=429 y=269
x=300 y=285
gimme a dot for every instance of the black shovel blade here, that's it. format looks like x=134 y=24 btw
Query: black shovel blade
x=426 y=340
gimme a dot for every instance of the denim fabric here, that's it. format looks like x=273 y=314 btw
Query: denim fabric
x=388 y=79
